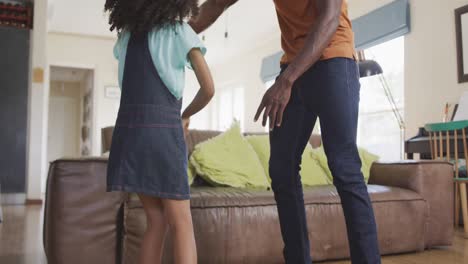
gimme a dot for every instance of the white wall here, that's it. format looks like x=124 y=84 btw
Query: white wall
x=64 y=120
x=357 y=8
x=78 y=17
x=430 y=73
x=430 y=58
x=244 y=71
x=38 y=100
x=430 y=63
x=91 y=53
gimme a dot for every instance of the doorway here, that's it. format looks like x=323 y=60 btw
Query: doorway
x=70 y=113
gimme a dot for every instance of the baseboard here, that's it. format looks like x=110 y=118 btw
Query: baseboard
x=12 y=198
x=33 y=201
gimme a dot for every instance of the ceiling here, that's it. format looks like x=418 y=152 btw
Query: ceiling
x=249 y=23
x=87 y=17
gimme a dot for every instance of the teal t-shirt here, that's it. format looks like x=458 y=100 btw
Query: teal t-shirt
x=169 y=47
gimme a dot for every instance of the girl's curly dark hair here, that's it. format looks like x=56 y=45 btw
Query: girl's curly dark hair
x=144 y=15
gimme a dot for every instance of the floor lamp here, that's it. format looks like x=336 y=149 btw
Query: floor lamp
x=368 y=68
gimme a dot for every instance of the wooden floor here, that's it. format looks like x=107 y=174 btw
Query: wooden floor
x=21 y=242
x=21 y=235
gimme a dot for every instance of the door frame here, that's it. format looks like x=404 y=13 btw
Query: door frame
x=92 y=70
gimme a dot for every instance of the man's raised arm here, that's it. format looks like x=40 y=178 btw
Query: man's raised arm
x=320 y=34
x=209 y=13
x=319 y=37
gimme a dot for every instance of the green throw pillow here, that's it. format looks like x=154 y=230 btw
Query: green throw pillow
x=229 y=160
x=367 y=160
x=191 y=173
x=261 y=145
x=312 y=173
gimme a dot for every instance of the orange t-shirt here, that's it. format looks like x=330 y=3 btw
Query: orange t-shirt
x=296 y=17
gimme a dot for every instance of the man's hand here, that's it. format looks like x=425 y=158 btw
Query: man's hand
x=274 y=102
x=210 y=11
x=186 y=125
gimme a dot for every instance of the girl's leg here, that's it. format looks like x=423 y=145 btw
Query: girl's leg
x=179 y=218
x=153 y=240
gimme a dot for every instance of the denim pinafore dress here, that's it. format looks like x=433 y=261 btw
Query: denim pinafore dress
x=148 y=152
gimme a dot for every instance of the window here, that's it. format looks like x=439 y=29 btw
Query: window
x=230 y=107
x=378 y=129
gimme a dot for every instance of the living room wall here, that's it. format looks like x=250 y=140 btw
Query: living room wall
x=430 y=59
x=94 y=53
x=430 y=63
x=430 y=73
x=242 y=70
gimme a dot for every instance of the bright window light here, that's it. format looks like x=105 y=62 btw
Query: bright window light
x=230 y=107
x=378 y=130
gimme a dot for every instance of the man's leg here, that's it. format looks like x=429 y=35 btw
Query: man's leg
x=338 y=111
x=287 y=145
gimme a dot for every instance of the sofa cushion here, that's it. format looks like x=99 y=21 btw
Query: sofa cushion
x=229 y=160
x=210 y=197
x=367 y=160
x=196 y=137
x=80 y=216
x=191 y=173
x=242 y=226
x=312 y=174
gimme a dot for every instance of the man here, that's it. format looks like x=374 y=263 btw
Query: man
x=319 y=78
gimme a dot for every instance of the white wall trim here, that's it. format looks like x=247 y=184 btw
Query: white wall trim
x=90 y=67
x=94 y=130
x=12 y=199
x=36 y=166
x=82 y=35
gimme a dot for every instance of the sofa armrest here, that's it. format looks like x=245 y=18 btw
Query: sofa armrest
x=82 y=222
x=433 y=180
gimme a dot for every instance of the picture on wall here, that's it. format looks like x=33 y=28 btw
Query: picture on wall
x=461 y=22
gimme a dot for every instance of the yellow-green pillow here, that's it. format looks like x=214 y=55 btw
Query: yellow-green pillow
x=367 y=160
x=229 y=160
x=261 y=146
x=312 y=173
x=191 y=173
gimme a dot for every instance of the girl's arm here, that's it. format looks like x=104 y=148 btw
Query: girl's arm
x=206 y=92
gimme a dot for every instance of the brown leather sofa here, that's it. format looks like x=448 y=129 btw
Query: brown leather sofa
x=413 y=203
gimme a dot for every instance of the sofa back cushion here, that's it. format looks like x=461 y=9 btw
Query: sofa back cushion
x=194 y=137
x=242 y=225
x=80 y=216
x=229 y=160
x=367 y=159
x=312 y=173
x=198 y=136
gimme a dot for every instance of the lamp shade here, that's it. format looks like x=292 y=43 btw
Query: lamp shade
x=369 y=68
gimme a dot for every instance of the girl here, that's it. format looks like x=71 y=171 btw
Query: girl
x=148 y=154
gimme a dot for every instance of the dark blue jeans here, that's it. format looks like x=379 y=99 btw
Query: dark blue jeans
x=328 y=90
